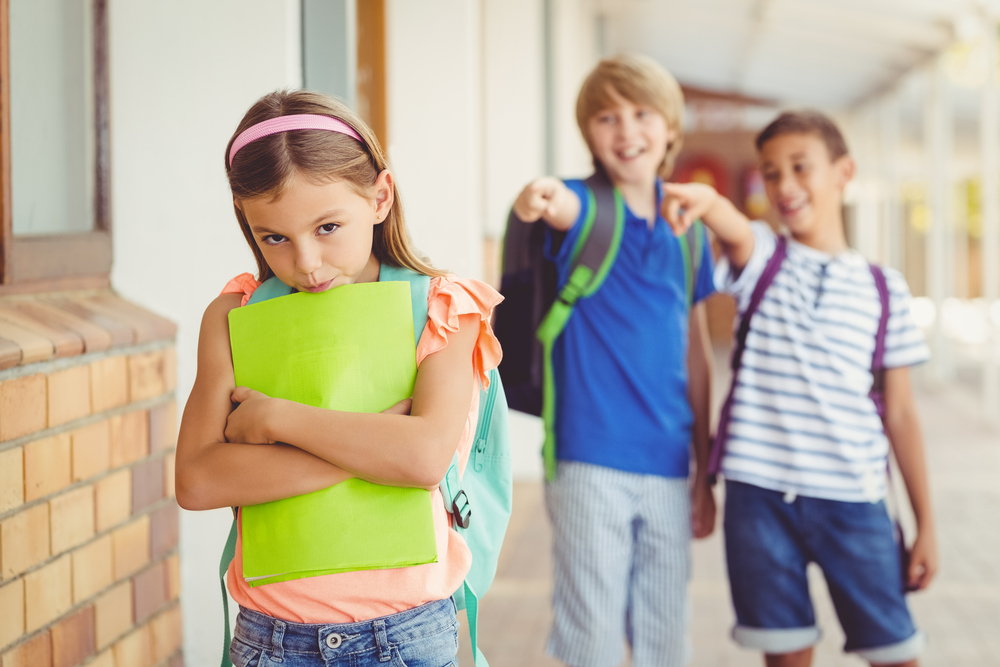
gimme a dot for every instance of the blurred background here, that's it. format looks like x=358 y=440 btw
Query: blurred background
x=474 y=98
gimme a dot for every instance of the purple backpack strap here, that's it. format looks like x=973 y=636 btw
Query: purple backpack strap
x=766 y=278
x=877 y=392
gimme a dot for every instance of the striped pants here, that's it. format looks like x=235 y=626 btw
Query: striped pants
x=621 y=546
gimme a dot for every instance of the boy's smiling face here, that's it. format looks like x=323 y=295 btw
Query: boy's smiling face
x=629 y=140
x=803 y=184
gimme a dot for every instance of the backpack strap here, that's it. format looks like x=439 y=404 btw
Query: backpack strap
x=420 y=286
x=269 y=289
x=593 y=255
x=766 y=278
x=692 y=248
x=877 y=392
x=228 y=554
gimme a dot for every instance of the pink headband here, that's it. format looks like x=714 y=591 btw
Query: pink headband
x=302 y=121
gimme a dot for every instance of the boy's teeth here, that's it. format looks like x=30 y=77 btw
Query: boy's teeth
x=631 y=152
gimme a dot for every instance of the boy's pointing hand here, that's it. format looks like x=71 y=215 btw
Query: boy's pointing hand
x=683 y=203
x=538 y=199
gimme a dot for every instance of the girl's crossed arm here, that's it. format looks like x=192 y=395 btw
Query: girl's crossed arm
x=214 y=470
x=400 y=450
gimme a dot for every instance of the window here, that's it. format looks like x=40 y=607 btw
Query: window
x=54 y=171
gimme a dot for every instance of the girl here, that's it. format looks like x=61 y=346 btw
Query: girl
x=319 y=209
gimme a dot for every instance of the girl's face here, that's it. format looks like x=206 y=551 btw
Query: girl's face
x=319 y=236
x=629 y=140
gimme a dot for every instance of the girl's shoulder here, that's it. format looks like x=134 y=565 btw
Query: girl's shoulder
x=462 y=293
x=448 y=298
x=244 y=284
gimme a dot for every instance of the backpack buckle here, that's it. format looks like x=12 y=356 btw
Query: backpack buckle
x=461 y=510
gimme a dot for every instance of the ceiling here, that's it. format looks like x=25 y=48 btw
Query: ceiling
x=832 y=54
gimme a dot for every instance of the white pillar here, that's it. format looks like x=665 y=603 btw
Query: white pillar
x=892 y=219
x=989 y=135
x=865 y=230
x=938 y=148
x=958 y=234
x=575 y=50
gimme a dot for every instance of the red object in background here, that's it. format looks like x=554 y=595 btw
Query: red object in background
x=704 y=168
x=755 y=202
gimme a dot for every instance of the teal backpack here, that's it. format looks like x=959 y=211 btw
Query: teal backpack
x=479 y=501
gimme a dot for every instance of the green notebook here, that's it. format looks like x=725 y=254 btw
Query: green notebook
x=350 y=348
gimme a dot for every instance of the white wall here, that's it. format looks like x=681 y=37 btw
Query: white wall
x=513 y=103
x=514 y=139
x=182 y=75
x=435 y=142
x=575 y=51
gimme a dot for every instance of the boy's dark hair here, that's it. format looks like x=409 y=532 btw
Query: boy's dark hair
x=807 y=121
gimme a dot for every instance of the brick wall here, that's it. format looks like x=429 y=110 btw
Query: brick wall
x=89 y=570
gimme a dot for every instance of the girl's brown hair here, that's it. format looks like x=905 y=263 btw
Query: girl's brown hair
x=264 y=167
x=640 y=80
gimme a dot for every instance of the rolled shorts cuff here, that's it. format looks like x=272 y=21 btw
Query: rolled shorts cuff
x=904 y=651
x=777 y=641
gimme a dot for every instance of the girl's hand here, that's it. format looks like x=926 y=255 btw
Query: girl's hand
x=923 y=561
x=702 y=508
x=401 y=408
x=248 y=422
x=683 y=203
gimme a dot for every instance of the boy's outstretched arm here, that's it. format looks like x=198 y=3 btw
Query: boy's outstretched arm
x=548 y=199
x=700 y=397
x=903 y=429
x=683 y=203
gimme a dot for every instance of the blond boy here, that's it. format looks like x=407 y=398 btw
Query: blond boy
x=621 y=505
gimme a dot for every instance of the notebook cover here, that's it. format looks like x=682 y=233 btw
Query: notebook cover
x=350 y=348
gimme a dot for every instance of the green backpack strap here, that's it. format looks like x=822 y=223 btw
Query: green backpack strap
x=692 y=248
x=228 y=554
x=273 y=288
x=420 y=286
x=269 y=289
x=593 y=255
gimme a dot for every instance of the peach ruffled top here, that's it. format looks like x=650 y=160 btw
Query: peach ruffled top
x=359 y=596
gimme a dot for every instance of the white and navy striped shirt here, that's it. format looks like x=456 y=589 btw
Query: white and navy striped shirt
x=802 y=421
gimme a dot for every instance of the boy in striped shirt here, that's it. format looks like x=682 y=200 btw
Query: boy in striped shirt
x=805 y=456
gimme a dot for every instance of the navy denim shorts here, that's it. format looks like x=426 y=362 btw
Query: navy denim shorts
x=771 y=538
x=425 y=636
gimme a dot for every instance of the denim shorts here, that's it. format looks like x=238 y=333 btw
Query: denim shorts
x=425 y=636
x=772 y=537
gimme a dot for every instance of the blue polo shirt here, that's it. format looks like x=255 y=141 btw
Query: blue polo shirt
x=621 y=362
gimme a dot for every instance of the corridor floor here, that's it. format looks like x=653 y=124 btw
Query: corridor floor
x=960 y=613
